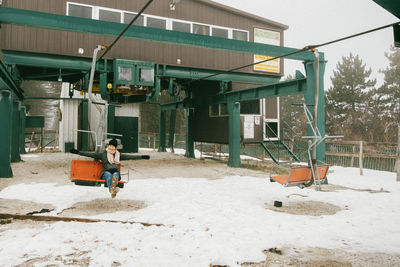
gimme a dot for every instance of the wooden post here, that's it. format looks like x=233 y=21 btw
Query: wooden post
x=352 y=158
x=361 y=158
x=398 y=154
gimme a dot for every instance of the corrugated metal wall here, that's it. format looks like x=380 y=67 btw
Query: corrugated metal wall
x=69 y=122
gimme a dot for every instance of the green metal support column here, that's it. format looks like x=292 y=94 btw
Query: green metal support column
x=189 y=133
x=85 y=125
x=22 y=114
x=103 y=84
x=161 y=130
x=234 y=134
x=5 y=134
x=111 y=119
x=172 y=121
x=309 y=97
x=15 y=137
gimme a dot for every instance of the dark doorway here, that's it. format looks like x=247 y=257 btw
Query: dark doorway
x=128 y=127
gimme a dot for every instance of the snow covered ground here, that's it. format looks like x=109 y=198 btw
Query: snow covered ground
x=225 y=221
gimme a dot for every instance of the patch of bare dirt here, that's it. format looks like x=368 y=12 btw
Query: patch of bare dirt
x=321 y=257
x=100 y=206
x=178 y=166
x=16 y=206
x=311 y=208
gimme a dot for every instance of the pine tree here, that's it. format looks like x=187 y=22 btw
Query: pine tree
x=346 y=100
x=388 y=96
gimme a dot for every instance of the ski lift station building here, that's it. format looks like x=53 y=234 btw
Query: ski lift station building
x=188 y=48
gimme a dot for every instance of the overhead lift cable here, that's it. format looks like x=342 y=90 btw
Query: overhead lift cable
x=126 y=28
x=108 y=48
x=306 y=48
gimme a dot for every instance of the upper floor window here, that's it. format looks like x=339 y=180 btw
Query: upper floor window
x=181 y=26
x=128 y=17
x=108 y=15
x=156 y=23
x=219 y=32
x=123 y=16
x=201 y=29
x=80 y=11
x=239 y=35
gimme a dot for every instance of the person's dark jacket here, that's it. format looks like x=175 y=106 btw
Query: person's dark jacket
x=107 y=166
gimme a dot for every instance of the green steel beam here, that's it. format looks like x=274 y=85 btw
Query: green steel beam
x=295 y=86
x=309 y=97
x=51 y=61
x=161 y=131
x=194 y=73
x=7 y=82
x=234 y=133
x=5 y=133
x=56 y=62
x=15 y=137
x=74 y=24
x=285 y=88
x=22 y=114
x=189 y=133
x=172 y=121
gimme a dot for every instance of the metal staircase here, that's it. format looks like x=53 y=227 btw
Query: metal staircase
x=278 y=150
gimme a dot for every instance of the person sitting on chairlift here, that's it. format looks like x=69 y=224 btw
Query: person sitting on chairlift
x=110 y=173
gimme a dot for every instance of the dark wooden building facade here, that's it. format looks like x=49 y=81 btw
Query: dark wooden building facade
x=193 y=16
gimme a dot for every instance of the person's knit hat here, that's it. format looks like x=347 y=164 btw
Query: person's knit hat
x=113 y=142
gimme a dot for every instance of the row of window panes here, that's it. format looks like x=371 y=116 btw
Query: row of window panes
x=86 y=11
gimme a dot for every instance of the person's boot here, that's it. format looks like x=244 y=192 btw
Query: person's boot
x=113 y=188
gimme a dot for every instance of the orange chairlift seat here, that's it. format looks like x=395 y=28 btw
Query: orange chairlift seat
x=87 y=172
x=301 y=176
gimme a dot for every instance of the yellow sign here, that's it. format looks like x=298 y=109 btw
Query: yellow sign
x=267 y=37
x=269 y=66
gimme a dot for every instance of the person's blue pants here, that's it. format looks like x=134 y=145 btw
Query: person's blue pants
x=108 y=177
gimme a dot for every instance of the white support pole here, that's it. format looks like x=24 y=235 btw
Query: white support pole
x=361 y=158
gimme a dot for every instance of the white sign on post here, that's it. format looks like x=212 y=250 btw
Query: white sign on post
x=248 y=127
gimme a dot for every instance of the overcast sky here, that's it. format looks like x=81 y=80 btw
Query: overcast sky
x=319 y=21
